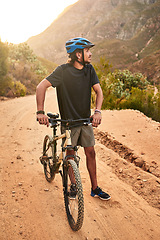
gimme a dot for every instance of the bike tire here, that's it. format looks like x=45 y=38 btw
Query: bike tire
x=48 y=162
x=74 y=207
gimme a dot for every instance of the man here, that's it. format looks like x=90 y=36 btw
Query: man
x=73 y=82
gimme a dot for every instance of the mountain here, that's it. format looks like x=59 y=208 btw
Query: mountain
x=125 y=31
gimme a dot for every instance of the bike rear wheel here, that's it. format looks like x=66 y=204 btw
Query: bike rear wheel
x=48 y=158
x=74 y=206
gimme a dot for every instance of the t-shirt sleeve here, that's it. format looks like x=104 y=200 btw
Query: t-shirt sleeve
x=55 y=78
x=94 y=77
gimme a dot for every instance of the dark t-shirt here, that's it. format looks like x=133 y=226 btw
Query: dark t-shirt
x=73 y=90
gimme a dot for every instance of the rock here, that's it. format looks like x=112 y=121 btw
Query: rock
x=139 y=162
x=146 y=167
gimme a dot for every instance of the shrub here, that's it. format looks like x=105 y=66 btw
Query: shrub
x=25 y=67
x=126 y=90
x=18 y=89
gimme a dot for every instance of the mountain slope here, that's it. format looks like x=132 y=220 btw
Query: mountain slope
x=124 y=31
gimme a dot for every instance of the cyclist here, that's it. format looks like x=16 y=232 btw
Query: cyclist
x=73 y=82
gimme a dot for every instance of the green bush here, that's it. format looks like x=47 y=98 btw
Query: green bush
x=19 y=89
x=144 y=101
x=126 y=90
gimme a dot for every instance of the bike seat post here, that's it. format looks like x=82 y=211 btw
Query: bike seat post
x=54 y=131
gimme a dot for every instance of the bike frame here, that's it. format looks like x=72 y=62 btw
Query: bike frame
x=66 y=145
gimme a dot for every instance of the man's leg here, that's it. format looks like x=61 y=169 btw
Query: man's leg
x=91 y=165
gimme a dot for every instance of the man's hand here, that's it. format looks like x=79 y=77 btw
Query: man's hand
x=43 y=119
x=96 y=119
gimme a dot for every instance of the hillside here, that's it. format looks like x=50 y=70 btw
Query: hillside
x=123 y=31
x=150 y=65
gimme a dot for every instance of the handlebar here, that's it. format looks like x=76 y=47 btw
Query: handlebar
x=53 y=119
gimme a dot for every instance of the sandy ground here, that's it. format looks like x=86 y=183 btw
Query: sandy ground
x=128 y=163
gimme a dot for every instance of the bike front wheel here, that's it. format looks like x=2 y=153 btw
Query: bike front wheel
x=48 y=158
x=73 y=195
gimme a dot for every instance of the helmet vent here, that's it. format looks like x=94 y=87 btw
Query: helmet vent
x=85 y=41
x=69 y=43
x=80 y=44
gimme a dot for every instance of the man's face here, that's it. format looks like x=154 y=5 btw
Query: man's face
x=87 y=55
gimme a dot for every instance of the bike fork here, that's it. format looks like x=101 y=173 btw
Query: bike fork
x=60 y=171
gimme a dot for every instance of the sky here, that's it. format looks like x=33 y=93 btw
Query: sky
x=21 y=19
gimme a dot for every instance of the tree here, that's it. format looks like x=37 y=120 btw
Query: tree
x=3 y=59
x=21 y=52
x=4 y=80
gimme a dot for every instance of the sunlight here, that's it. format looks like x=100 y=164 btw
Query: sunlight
x=19 y=20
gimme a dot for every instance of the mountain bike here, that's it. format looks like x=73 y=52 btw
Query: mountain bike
x=52 y=161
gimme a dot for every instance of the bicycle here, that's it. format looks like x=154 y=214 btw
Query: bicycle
x=74 y=203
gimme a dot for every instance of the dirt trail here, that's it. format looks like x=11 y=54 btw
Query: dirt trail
x=33 y=209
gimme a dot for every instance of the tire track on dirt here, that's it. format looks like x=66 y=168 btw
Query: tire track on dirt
x=126 y=153
x=132 y=169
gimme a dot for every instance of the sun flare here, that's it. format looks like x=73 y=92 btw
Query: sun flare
x=20 y=20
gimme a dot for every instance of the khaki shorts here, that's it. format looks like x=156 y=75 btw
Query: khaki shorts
x=82 y=136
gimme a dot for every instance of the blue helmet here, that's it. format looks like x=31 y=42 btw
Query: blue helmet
x=77 y=43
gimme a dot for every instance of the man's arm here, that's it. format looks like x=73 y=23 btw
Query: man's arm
x=40 y=98
x=99 y=99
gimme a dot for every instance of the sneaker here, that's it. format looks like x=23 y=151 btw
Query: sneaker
x=99 y=193
x=73 y=191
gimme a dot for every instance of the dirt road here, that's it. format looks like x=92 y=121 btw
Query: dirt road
x=128 y=161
